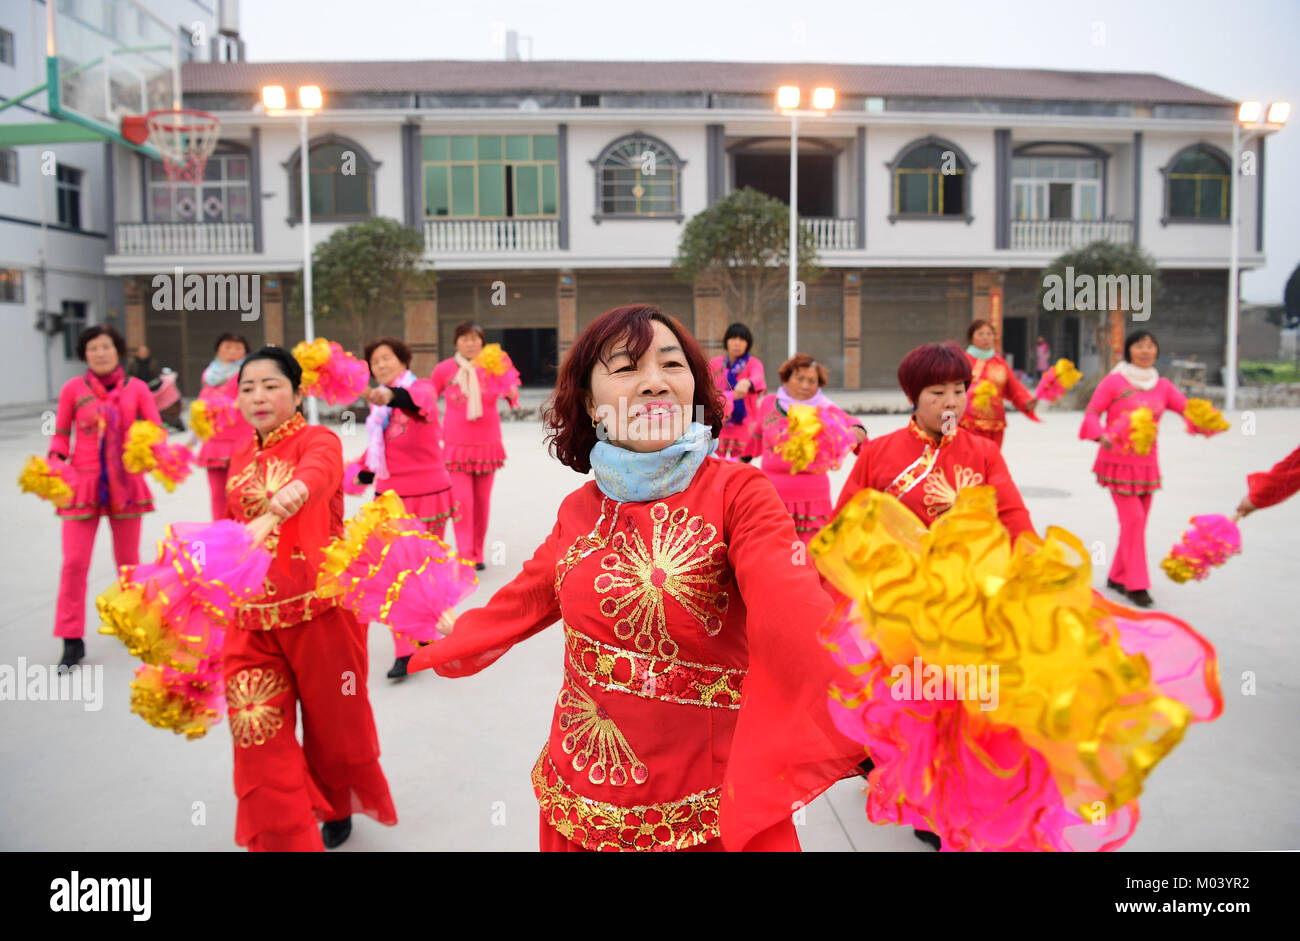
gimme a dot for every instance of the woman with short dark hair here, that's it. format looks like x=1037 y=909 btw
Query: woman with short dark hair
x=741 y=374
x=472 y=434
x=292 y=645
x=404 y=450
x=96 y=409
x=673 y=574
x=221 y=388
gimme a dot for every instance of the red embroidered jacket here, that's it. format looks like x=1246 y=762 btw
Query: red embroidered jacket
x=996 y=371
x=1270 y=487
x=926 y=476
x=693 y=702
x=294 y=451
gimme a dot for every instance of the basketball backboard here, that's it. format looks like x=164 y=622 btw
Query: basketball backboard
x=110 y=59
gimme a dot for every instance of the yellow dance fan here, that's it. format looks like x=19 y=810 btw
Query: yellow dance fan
x=959 y=598
x=201 y=420
x=46 y=482
x=1203 y=418
x=799 y=448
x=137 y=452
x=983 y=393
x=312 y=357
x=493 y=359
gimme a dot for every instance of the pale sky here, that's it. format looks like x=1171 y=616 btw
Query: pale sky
x=1242 y=50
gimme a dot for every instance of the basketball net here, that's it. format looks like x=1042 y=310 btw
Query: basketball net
x=184 y=139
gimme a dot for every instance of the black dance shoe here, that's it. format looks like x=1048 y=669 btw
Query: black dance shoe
x=1141 y=598
x=74 y=648
x=930 y=839
x=479 y=566
x=398 y=670
x=1116 y=586
x=335 y=832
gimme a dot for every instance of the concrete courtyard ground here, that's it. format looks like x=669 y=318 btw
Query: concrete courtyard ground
x=457 y=753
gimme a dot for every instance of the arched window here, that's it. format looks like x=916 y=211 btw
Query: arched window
x=637 y=177
x=1196 y=185
x=931 y=180
x=342 y=180
x=225 y=194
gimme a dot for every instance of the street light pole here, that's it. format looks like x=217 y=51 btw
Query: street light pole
x=792 y=320
x=308 y=322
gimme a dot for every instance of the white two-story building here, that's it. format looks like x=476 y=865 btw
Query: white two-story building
x=528 y=182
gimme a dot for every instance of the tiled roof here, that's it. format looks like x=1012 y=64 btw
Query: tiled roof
x=737 y=78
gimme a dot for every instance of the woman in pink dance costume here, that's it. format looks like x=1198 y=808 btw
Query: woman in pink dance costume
x=221 y=385
x=472 y=434
x=740 y=374
x=95 y=411
x=805 y=493
x=404 y=453
x=1132 y=478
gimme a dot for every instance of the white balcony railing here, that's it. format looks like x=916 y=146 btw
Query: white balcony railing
x=1033 y=235
x=184 y=238
x=832 y=234
x=447 y=236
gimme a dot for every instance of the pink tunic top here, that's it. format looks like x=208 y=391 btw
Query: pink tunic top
x=1127 y=473
x=735 y=437
x=412 y=447
x=472 y=447
x=216 y=451
x=81 y=409
x=805 y=486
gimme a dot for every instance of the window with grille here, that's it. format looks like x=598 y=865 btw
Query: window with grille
x=225 y=194
x=1197 y=184
x=74 y=321
x=11 y=286
x=68 y=184
x=491 y=176
x=930 y=180
x=638 y=176
x=1056 y=188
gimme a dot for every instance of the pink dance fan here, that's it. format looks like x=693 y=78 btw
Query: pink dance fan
x=387 y=567
x=1211 y=541
x=331 y=373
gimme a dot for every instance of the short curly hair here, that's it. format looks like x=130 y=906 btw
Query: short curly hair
x=802 y=361
x=100 y=330
x=399 y=348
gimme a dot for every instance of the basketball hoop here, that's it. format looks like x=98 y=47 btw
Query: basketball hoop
x=184 y=139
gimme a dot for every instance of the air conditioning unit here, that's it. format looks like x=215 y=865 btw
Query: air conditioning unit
x=49 y=322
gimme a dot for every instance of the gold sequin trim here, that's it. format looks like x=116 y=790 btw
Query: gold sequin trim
x=252 y=720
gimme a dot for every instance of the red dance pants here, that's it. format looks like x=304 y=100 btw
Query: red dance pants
x=1130 y=565
x=217 y=487
x=473 y=493
x=78 y=547
x=284 y=788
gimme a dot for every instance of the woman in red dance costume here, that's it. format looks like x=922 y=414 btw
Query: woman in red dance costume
x=220 y=382
x=99 y=406
x=1131 y=478
x=672 y=575
x=472 y=432
x=1269 y=488
x=806 y=494
x=925 y=463
x=991 y=421
x=740 y=373
x=291 y=645
x=405 y=451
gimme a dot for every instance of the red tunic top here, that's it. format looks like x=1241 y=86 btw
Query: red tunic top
x=996 y=371
x=926 y=476
x=82 y=407
x=693 y=703
x=259 y=470
x=413 y=446
x=1270 y=487
x=216 y=451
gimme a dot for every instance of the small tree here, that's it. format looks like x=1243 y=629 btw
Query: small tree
x=361 y=276
x=1103 y=259
x=743 y=241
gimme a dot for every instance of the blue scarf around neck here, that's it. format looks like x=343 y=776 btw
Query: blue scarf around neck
x=975 y=351
x=636 y=477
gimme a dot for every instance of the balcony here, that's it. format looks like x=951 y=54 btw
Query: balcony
x=1053 y=235
x=832 y=235
x=457 y=236
x=184 y=238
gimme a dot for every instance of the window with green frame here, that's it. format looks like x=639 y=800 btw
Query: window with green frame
x=921 y=188
x=1198 y=186
x=490 y=176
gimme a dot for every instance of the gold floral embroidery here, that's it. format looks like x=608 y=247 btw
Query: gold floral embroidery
x=597 y=825
x=683 y=561
x=614 y=669
x=595 y=742
x=257 y=483
x=940 y=495
x=252 y=721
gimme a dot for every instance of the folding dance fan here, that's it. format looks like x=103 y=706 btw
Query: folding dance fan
x=146 y=449
x=502 y=377
x=49 y=481
x=331 y=373
x=1210 y=541
x=814 y=440
x=1058 y=380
